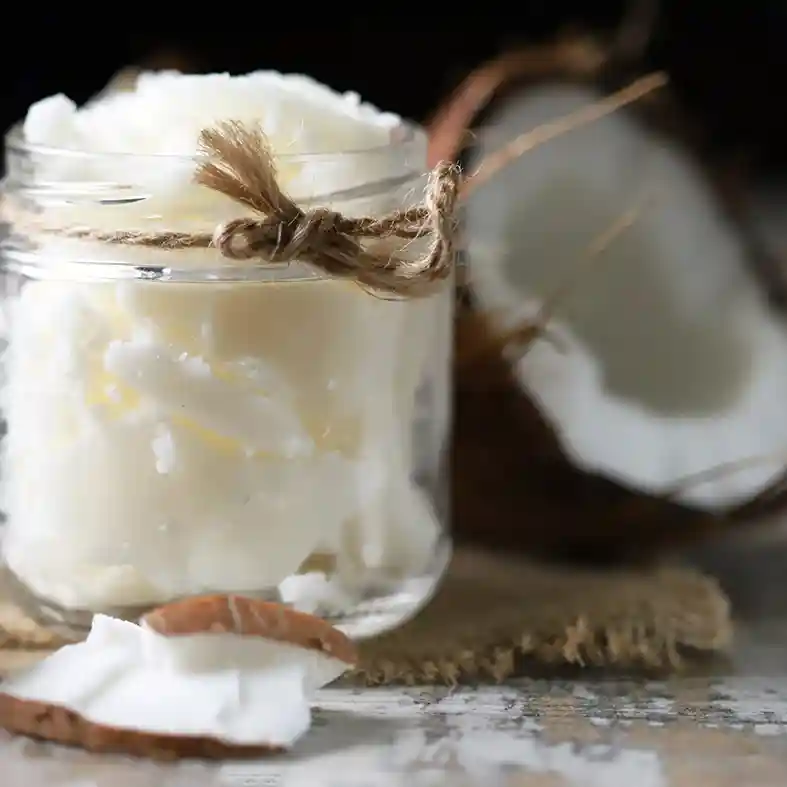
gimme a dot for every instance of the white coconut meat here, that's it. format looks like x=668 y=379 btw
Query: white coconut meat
x=238 y=690
x=669 y=360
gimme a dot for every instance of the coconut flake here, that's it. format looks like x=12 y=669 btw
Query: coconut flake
x=238 y=690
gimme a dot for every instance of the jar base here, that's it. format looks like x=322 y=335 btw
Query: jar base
x=386 y=609
x=374 y=611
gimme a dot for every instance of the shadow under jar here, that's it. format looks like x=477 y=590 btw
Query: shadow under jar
x=178 y=423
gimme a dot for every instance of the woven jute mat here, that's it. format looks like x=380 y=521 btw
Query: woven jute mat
x=494 y=617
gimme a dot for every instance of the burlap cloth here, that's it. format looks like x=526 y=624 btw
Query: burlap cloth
x=494 y=617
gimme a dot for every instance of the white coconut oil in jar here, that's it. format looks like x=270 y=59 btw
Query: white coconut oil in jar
x=178 y=423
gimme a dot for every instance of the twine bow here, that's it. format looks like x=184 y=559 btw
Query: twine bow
x=239 y=164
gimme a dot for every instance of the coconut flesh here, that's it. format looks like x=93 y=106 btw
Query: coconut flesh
x=667 y=359
x=238 y=690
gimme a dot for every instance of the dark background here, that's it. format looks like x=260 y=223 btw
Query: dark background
x=727 y=59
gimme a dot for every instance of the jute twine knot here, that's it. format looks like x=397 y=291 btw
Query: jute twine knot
x=239 y=164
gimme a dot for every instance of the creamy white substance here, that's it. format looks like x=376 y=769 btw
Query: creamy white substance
x=239 y=690
x=167 y=439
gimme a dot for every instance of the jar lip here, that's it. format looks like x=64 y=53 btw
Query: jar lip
x=403 y=135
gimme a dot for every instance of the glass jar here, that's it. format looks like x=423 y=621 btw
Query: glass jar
x=178 y=423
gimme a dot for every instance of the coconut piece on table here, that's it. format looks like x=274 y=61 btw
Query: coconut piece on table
x=214 y=676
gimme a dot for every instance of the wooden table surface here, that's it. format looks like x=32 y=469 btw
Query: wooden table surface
x=692 y=732
x=725 y=727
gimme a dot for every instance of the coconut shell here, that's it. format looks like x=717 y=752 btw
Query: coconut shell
x=249 y=617
x=513 y=486
x=56 y=724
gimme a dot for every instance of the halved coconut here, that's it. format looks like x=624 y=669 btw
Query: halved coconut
x=667 y=358
x=213 y=676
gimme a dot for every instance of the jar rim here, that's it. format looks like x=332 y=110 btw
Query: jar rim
x=404 y=135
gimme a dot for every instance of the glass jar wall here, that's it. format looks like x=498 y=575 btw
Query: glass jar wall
x=179 y=424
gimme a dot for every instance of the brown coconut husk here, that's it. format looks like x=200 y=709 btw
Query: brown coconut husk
x=514 y=488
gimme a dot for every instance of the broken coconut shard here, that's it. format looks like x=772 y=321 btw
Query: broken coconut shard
x=184 y=419
x=221 y=676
